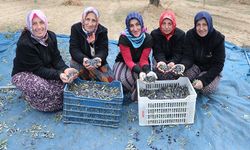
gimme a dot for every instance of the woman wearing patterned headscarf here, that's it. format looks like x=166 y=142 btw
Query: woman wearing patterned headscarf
x=39 y=71
x=89 y=47
x=204 y=54
x=167 y=48
x=133 y=60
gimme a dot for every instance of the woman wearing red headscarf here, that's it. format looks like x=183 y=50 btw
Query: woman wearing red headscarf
x=167 y=47
x=39 y=70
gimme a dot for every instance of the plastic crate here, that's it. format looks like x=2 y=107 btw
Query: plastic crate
x=85 y=110
x=166 y=111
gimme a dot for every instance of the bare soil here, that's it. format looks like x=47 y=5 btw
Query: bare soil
x=231 y=17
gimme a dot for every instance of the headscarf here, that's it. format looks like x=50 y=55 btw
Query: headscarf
x=204 y=15
x=171 y=16
x=84 y=15
x=136 y=41
x=31 y=15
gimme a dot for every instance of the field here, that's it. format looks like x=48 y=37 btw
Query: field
x=231 y=17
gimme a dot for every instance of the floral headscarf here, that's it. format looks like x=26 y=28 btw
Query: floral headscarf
x=41 y=15
x=85 y=13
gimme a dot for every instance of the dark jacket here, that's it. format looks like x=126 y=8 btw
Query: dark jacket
x=168 y=51
x=80 y=48
x=207 y=53
x=31 y=56
x=136 y=53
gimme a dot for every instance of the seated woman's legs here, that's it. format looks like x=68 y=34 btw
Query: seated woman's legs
x=210 y=88
x=195 y=72
x=41 y=94
x=192 y=72
x=127 y=78
x=102 y=74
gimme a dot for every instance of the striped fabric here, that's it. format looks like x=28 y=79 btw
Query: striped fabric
x=195 y=72
x=102 y=74
x=127 y=78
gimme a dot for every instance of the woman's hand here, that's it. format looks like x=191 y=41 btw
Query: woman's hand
x=197 y=84
x=71 y=73
x=165 y=68
x=149 y=77
x=171 y=64
x=87 y=65
x=161 y=66
x=152 y=75
x=142 y=76
x=97 y=62
x=64 y=78
x=178 y=69
x=85 y=62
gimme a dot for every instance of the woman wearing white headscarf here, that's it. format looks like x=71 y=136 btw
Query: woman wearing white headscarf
x=39 y=70
x=89 y=47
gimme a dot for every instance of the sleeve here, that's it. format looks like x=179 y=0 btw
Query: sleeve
x=32 y=62
x=188 y=57
x=144 y=60
x=217 y=64
x=101 y=46
x=158 y=51
x=58 y=62
x=126 y=54
x=74 y=45
x=178 y=46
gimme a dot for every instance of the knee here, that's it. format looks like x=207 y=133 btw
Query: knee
x=208 y=90
x=45 y=104
x=48 y=108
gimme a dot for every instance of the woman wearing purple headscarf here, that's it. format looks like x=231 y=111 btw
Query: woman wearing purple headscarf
x=89 y=47
x=204 y=54
x=133 y=60
x=39 y=70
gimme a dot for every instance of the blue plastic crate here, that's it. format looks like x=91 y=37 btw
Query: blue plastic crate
x=82 y=109
x=80 y=120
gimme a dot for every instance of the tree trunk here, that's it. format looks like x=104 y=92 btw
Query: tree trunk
x=154 y=2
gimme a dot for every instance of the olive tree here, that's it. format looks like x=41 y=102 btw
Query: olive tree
x=154 y=2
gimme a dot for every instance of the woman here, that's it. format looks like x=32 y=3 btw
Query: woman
x=167 y=48
x=204 y=54
x=133 y=60
x=39 y=70
x=89 y=47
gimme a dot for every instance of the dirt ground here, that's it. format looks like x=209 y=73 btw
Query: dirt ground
x=231 y=17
